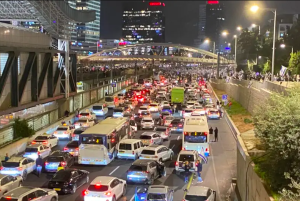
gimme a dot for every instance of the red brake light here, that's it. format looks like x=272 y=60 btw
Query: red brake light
x=45 y=142
x=176 y=163
x=132 y=152
x=33 y=142
x=206 y=149
x=180 y=125
x=1 y=168
x=65 y=148
x=38 y=153
x=182 y=148
x=170 y=125
x=63 y=163
x=151 y=141
x=98 y=185
x=85 y=192
x=79 y=115
x=205 y=133
x=185 y=133
x=8 y=198
x=20 y=168
x=113 y=140
x=73 y=135
x=77 y=149
x=108 y=193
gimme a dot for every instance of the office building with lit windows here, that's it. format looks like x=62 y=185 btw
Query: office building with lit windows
x=86 y=35
x=215 y=19
x=143 y=22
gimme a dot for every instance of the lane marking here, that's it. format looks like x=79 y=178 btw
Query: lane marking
x=132 y=198
x=215 y=172
x=114 y=170
x=189 y=184
x=178 y=137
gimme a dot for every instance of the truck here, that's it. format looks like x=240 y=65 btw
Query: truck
x=177 y=95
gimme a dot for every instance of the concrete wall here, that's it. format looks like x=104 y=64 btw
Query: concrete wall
x=20 y=38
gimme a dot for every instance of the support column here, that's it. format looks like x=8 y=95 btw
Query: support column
x=67 y=69
x=15 y=82
x=34 y=81
x=218 y=66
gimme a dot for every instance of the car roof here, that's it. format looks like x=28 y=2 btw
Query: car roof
x=105 y=180
x=58 y=153
x=17 y=192
x=187 y=152
x=148 y=133
x=157 y=189
x=142 y=162
x=143 y=107
x=15 y=159
x=33 y=146
x=197 y=190
x=154 y=147
x=148 y=117
x=130 y=140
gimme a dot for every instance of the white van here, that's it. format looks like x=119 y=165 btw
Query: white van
x=190 y=156
x=130 y=149
x=110 y=101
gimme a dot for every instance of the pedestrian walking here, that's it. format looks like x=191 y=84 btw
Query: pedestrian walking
x=39 y=165
x=6 y=157
x=216 y=134
x=211 y=130
x=199 y=170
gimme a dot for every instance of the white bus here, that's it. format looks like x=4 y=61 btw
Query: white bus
x=196 y=135
x=98 y=143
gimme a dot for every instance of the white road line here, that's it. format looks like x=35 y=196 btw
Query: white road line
x=132 y=198
x=214 y=168
x=114 y=170
x=178 y=137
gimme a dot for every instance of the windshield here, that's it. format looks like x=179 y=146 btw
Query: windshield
x=166 y=108
x=109 y=99
x=55 y=159
x=73 y=144
x=98 y=188
x=188 y=111
x=84 y=114
x=62 y=175
x=137 y=168
x=148 y=152
x=124 y=146
x=155 y=197
x=147 y=120
x=145 y=137
x=41 y=138
x=118 y=110
x=61 y=129
x=186 y=157
x=92 y=140
x=82 y=120
x=169 y=118
x=153 y=105
x=31 y=150
x=78 y=131
x=195 y=198
x=10 y=164
x=190 y=103
x=97 y=107
x=161 y=129
x=196 y=138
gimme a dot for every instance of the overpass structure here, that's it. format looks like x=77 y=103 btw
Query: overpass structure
x=157 y=52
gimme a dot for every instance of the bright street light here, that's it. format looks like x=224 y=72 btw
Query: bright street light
x=254 y=8
x=224 y=33
x=229 y=44
x=282 y=45
x=234 y=36
x=214 y=43
x=239 y=28
x=206 y=40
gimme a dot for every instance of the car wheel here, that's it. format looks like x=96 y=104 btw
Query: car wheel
x=74 y=189
x=24 y=175
x=53 y=199
x=124 y=190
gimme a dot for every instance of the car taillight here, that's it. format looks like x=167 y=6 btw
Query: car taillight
x=20 y=168
x=151 y=141
x=33 y=142
x=63 y=163
x=185 y=133
x=55 y=132
x=79 y=115
x=85 y=192
x=65 y=132
x=1 y=168
x=46 y=163
x=205 y=133
x=8 y=198
x=108 y=193
x=38 y=153
x=182 y=148
x=180 y=125
x=170 y=125
x=206 y=149
x=45 y=142
x=65 y=148
x=176 y=163
x=73 y=135
x=77 y=149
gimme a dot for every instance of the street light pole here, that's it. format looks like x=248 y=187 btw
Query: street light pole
x=214 y=48
x=274 y=40
x=235 y=47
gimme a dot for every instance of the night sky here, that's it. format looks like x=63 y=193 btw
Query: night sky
x=182 y=17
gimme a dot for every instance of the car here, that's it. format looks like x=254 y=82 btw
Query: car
x=164 y=103
x=77 y=132
x=167 y=120
x=198 y=107
x=200 y=193
x=87 y=114
x=129 y=149
x=190 y=104
x=176 y=125
x=118 y=112
x=157 y=152
x=149 y=138
x=166 y=109
x=163 y=132
x=26 y=193
x=72 y=148
x=58 y=158
x=63 y=132
x=100 y=109
x=110 y=101
x=208 y=107
x=199 y=112
x=34 y=150
x=147 y=122
x=84 y=122
x=153 y=107
x=143 y=171
x=213 y=114
x=68 y=180
x=46 y=139
x=9 y=182
x=143 y=109
x=18 y=166
x=105 y=188
x=120 y=95
x=160 y=192
x=187 y=112
x=191 y=156
x=133 y=125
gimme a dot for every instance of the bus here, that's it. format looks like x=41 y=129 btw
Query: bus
x=97 y=145
x=196 y=135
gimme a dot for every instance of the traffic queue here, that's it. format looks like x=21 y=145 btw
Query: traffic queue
x=160 y=107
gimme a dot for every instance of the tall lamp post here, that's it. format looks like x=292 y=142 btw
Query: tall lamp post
x=254 y=26
x=235 y=47
x=283 y=46
x=255 y=9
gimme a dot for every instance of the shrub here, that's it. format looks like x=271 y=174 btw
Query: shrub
x=22 y=129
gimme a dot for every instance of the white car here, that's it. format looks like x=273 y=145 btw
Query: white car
x=200 y=193
x=187 y=112
x=63 y=132
x=157 y=152
x=26 y=193
x=100 y=109
x=84 y=122
x=109 y=101
x=18 y=166
x=185 y=155
x=45 y=139
x=91 y=116
x=8 y=182
x=34 y=150
x=164 y=103
x=105 y=188
x=190 y=104
x=147 y=122
x=199 y=112
x=153 y=107
x=168 y=120
x=163 y=132
x=143 y=109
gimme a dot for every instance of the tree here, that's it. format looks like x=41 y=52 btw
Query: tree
x=277 y=125
x=22 y=129
x=294 y=63
x=292 y=194
x=248 y=43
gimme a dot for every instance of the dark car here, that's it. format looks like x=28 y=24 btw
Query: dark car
x=58 y=159
x=167 y=109
x=67 y=181
x=176 y=125
x=77 y=132
x=72 y=148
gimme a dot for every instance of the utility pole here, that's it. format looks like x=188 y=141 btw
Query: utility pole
x=218 y=65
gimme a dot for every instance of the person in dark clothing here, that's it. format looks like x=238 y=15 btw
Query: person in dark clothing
x=211 y=130
x=160 y=169
x=6 y=157
x=67 y=113
x=199 y=170
x=218 y=103
x=186 y=171
x=39 y=165
x=216 y=134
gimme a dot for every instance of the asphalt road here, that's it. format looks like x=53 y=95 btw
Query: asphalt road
x=217 y=173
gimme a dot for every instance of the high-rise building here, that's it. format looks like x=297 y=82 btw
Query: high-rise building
x=201 y=25
x=143 y=22
x=86 y=34
x=215 y=18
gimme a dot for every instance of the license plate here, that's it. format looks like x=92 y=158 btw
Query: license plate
x=147 y=156
x=121 y=151
x=145 y=142
x=57 y=189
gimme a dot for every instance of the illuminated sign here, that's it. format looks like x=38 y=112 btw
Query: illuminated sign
x=212 y=2
x=156 y=4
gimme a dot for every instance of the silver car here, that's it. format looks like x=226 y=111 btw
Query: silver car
x=31 y=193
x=200 y=193
x=160 y=192
x=8 y=182
x=162 y=132
x=149 y=138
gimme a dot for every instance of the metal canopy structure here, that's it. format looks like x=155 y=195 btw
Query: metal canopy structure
x=57 y=17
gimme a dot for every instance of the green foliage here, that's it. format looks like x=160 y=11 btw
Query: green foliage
x=236 y=108
x=267 y=67
x=294 y=63
x=247 y=121
x=22 y=129
x=248 y=42
x=293 y=193
x=277 y=125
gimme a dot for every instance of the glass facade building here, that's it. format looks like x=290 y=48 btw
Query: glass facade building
x=143 y=22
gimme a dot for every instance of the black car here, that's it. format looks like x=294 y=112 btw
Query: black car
x=67 y=181
x=59 y=159
x=176 y=125
x=72 y=148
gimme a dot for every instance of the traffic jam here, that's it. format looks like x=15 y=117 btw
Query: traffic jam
x=135 y=127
